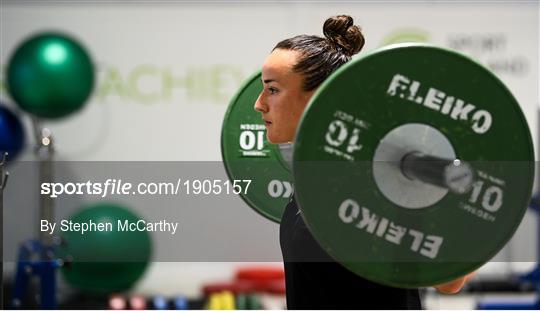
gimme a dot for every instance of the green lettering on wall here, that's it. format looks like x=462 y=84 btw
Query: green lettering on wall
x=138 y=76
x=153 y=84
x=224 y=78
x=171 y=82
x=111 y=85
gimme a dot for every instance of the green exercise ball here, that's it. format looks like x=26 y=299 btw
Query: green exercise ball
x=50 y=75
x=101 y=262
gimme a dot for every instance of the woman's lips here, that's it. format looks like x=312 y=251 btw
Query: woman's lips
x=267 y=122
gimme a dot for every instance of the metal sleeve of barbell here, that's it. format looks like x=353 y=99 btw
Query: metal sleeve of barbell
x=453 y=175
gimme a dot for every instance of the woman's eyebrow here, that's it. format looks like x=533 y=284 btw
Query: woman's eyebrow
x=268 y=81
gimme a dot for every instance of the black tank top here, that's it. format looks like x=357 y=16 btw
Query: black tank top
x=315 y=281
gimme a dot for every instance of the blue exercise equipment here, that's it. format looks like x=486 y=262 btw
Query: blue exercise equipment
x=12 y=136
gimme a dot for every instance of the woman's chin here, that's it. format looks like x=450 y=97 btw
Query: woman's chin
x=274 y=140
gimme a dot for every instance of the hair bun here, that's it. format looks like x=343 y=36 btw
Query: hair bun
x=341 y=31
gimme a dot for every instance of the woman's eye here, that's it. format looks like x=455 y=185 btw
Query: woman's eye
x=272 y=90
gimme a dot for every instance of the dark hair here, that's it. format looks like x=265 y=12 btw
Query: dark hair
x=322 y=56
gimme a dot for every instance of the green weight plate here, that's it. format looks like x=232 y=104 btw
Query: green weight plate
x=247 y=155
x=396 y=231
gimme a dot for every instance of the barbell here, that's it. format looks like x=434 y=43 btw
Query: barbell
x=412 y=165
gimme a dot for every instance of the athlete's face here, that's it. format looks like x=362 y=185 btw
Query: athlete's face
x=283 y=99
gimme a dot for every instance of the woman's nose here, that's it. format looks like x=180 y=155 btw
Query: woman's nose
x=259 y=105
